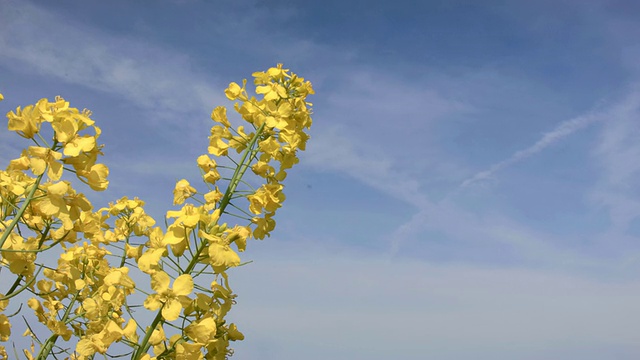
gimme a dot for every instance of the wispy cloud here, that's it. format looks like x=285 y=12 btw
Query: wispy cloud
x=617 y=154
x=333 y=151
x=432 y=309
x=128 y=67
x=378 y=130
x=563 y=130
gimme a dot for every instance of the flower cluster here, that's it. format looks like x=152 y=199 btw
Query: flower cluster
x=88 y=299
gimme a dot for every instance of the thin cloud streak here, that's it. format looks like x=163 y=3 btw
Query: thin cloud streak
x=562 y=131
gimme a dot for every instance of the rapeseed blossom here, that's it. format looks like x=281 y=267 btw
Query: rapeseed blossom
x=89 y=294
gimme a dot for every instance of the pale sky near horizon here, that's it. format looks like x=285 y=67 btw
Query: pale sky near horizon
x=471 y=189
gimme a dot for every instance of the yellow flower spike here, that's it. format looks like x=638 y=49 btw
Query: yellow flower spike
x=1 y=97
x=182 y=191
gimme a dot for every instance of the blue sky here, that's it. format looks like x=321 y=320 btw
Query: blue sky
x=471 y=187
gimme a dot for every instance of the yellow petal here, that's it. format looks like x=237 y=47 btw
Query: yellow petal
x=174 y=235
x=160 y=282
x=152 y=302
x=223 y=255
x=202 y=331
x=183 y=285
x=85 y=347
x=171 y=309
x=129 y=331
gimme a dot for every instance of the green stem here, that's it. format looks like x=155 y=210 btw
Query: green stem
x=21 y=211
x=11 y=293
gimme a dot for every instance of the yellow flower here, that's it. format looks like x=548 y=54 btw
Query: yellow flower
x=189 y=351
x=239 y=235
x=263 y=169
x=234 y=333
x=97 y=177
x=182 y=191
x=202 y=331
x=54 y=204
x=208 y=167
x=221 y=255
x=119 y=277
x=171 y=300
x=268 y=197
x=5 y=327
x=219 y=115
x=240 y=142
x=264 y=226
x=66 y=130
x=188 y=216
x=269 y=146
x=234 y=91
x=217 y=146
x=212 y=198
x=273 y=91
x=101 y=341
x=148 y=262
x=42 y=158
x=26 y=122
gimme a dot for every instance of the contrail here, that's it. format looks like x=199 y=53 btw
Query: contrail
x=563 y=130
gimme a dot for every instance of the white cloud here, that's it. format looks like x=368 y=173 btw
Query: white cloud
x=618 y=155
x=158 y=79
x=375 y=308
x=334 y=151
x=378 y=130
